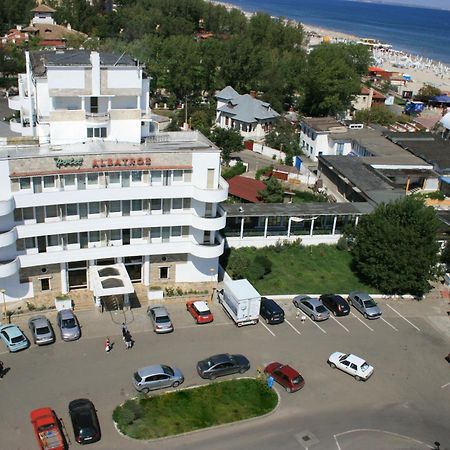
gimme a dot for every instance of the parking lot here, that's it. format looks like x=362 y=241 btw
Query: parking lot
x=406 y=403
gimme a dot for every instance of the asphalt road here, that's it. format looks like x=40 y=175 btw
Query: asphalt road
x=405 y=405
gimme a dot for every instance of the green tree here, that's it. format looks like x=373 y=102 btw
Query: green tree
x=283 y=137
x=426 y=92
x=228 y=141
x=395 y=248
x=274 y=191
x=241 y=264
x=333 y=77
x=377 y=114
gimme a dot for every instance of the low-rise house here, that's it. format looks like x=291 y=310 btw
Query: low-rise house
x=252 y=117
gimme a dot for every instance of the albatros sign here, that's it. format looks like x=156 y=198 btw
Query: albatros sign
x=121 y=162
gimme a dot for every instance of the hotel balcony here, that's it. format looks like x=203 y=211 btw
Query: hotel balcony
x=15 y=102
x=7 y=206
x=9 y=268
x=17 y=126
x=8 y=238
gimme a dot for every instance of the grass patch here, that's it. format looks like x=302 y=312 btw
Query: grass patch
x=297 y=269
x=193 y=409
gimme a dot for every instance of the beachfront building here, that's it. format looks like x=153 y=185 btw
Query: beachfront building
x=90 y=184
x=253 y=118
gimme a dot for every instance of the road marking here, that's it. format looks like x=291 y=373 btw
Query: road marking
x=267 y=328
x=362 y=321
x=292 y=326
x=358 y=430
x=403 y=317
x=385 y=321
x=339 y=323
x=445 y=385
x=317 y=325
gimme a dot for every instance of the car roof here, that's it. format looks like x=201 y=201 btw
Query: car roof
x=313 y=301
x=11 y=330
x=362 y=295
x=221 y=358
x=289 y=371
x=160 y=311
x=150 y=370
x=39 y=321
x=355 y=359
x=201 y=306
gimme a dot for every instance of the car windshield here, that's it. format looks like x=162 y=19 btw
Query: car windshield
x=43 y=330
x=69 y=323
x=137 y=377
x=162 y=319
x=369 y=303
x=168 y=370
x=364 y=367
x=297 y=380
x=17 y=339
x=321 y=309
x=343 y=357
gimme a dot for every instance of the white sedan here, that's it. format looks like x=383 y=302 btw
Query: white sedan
x=352 y=364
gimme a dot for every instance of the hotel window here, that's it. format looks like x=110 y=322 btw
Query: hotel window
x=178 y=175
x=186 y=203
x=114 y=179
x=156 y=176
x=163 y=273
x=49 y=182
x=25 y=183
x=155 y=233
x=177 y=203
x=125 y=179
x=96 y=132
x=51 y=211
x=30 y=242
x=53 y=240
x=136 y=177
x=136 y=233
x=185 y=231
x=136 y=205
x=69 y=181
x=94 y=236
x=28 y=213
x=94 y=208
x=155 y=204
x=92 y=179
x=72 y=211
x=72 y=238
x=114 y=207
x=116 y=235
x=187 y=176
x=176 y=231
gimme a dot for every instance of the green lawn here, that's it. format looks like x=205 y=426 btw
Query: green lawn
x=192 y=409
x=315 y=270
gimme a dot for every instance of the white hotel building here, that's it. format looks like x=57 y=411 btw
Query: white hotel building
x=91 y=182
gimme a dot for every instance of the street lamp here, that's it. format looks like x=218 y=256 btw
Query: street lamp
x=3 y=291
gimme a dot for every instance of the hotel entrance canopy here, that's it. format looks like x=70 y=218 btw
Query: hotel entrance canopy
x=110 y=280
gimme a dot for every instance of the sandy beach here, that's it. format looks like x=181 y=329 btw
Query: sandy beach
x=422 y=70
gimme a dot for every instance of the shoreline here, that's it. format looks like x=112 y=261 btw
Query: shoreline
x=422 y=70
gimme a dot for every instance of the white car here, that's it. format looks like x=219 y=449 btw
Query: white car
x=352 y=364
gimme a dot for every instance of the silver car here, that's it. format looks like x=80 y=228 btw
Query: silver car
x=313 y=307
x=41 y=330
x=158 y=376
x=160 y=319
x=365 y=304
x=68 y=325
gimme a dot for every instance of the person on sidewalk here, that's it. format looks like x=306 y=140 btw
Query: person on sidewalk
x=2 y=368
x=108 y=345
x=124 y=330
x=128 y=340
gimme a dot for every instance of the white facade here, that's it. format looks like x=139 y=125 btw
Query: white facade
x=65 y=207
x=75 y=96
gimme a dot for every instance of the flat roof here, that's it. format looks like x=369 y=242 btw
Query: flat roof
x=322 y=123
x=174 y=141
x=295 y=209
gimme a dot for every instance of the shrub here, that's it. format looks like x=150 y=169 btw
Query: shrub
x=342 y=244
x=231 y=172
x=263 y=171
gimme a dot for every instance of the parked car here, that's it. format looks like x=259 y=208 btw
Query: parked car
x=41 y=330
x=313 y=307
x=86 y=427
x=199 y=311
x=223 y=364
x=336 y=304
x=285 y=375
x=160 y=319
x=271 y=311
x=68 y=325
x=365 y=304
x=13 y=337
x=352 y=364
x=48 y=429
x=157 y=376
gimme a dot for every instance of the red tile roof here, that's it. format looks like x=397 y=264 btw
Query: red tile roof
x=246 y=188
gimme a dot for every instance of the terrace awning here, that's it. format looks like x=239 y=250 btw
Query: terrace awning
x=110 y=280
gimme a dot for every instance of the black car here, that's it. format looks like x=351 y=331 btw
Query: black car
x=270 y=311
x=84 y=421
x=220 y=365
x=336 y=304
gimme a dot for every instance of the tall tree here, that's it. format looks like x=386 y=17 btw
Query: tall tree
x=228 y=141
x=395 y=247
x=274 y=191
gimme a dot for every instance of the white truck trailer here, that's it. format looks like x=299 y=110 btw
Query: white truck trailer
x=241 y=301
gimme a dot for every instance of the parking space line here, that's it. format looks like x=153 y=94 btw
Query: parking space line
x=445 y=385
x=362 y=321
x=267 y=328
x=339 y=323
x=385 y=321
x=317 y=325
x=403 y=317
x=292 y=326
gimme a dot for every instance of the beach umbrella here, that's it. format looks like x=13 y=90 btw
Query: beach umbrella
x=446 y=121
x=440 y=99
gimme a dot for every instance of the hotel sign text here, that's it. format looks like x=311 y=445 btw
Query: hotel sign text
x=120 y=162
x=68 y=162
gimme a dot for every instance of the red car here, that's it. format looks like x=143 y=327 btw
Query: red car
x=285 y=375
x=47 y=428
x=199 y=311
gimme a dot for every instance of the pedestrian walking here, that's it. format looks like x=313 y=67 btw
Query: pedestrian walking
x=128 y=340
x=2 y=368
x=108 y=345
x=124 y=330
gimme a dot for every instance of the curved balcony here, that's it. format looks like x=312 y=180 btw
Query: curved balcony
x=7 y=206
x=210 y=223
x=208 y=250
x=8 y=238
x=15 y=102
x=16 y=125
x=9 y=268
